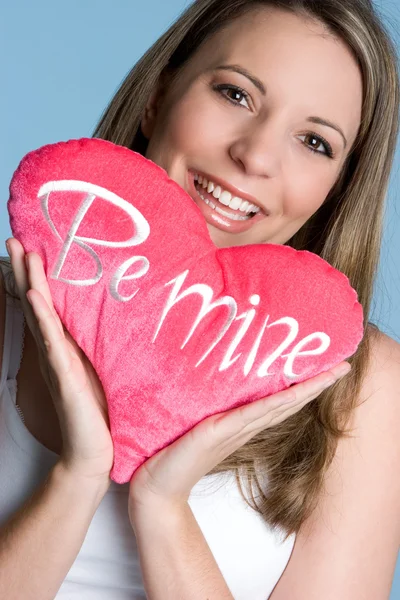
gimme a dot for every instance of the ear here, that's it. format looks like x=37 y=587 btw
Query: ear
x=153 y=104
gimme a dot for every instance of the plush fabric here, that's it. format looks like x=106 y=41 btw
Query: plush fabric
x=176 y=328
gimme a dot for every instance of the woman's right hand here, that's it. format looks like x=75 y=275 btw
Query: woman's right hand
x=75 y=388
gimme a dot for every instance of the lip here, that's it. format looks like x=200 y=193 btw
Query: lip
x=232 y=189
x=217 y=220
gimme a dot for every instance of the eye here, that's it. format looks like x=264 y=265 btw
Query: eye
x=320 y=141
x=240 y=92
x=235 y=90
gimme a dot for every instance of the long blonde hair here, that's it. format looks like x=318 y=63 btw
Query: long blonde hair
x=346 y=231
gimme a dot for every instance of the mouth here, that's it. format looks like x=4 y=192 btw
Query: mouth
x=220 y=208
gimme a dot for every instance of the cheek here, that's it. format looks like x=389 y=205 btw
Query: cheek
x=190 y=125
x=306 y=188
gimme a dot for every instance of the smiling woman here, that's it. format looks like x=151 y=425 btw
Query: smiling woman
x=293 y=107
x=279 y=118
x=244 y=103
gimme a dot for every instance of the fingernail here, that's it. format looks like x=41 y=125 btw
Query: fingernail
x=327 y=383
x=343 y=370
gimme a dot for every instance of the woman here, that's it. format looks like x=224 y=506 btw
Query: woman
x=293 y=108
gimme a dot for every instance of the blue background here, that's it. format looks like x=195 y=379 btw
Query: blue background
x=61 y=62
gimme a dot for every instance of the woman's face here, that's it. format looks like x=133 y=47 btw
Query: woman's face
x=262 y=148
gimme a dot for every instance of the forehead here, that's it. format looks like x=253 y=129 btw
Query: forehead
x=295 y=57
x=267 y=35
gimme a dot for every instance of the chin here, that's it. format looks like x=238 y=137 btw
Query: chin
x=223 y=239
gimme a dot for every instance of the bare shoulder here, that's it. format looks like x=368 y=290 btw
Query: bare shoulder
x=378 y=412
x=384 y=361
x=350 y=543
x=379 y=405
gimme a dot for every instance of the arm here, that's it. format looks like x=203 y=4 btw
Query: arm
x=348 y=548
x=41 y=541
x=176 y=561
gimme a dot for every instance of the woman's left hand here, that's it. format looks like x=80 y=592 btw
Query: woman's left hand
x=169 y=476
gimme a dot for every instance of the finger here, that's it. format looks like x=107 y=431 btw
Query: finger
x=29 y=273
x=313 y=385
x=38 y=281
x=17 y=258
x=54 y=342
x=270 y=410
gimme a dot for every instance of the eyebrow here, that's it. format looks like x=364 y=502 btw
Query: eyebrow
x=238 y=69
x=327 y=123
x=260 y=86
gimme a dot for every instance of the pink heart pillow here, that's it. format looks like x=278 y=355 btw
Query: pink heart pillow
x=176 y=328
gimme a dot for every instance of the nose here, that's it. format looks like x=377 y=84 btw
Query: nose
x=258 y=150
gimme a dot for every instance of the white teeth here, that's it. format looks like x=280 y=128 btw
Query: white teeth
x=235 y=203
x=226 y=197
x=217 y=192
x=223 y=212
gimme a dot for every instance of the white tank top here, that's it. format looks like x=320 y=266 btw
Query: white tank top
x=249 y=554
